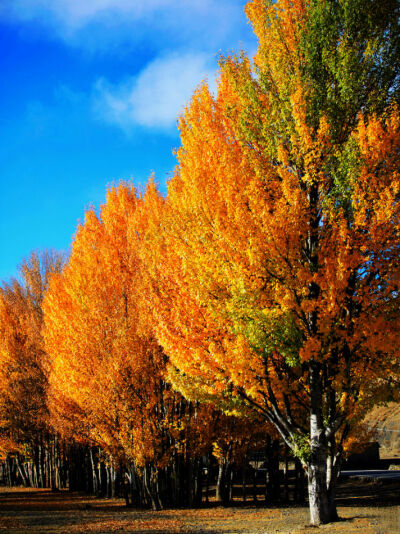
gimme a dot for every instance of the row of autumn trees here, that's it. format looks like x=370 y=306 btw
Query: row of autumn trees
x=265 y=286
x=85 y=400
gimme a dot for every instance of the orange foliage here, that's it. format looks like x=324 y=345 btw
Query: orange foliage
x=23 y=379
x=275 y=254
x=107 y=381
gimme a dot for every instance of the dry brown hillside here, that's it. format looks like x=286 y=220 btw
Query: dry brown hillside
x=386 y=420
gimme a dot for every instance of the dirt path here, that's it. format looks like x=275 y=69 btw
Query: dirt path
x=370 y=508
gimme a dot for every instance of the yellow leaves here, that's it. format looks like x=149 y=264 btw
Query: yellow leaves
x=299 y=110
x=283 y=155
x=264 y=16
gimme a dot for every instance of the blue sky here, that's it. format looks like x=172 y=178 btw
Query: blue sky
x=89 y=94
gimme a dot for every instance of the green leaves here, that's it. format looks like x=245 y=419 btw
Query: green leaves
x=350 y=60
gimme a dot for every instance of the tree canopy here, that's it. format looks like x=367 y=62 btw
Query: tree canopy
x=280 y=261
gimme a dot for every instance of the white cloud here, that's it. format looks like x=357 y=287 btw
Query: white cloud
x=156 y=96
x=78 y=12
x=103 y=24
x=184 y=36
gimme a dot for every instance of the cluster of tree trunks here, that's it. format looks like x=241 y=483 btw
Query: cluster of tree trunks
x=182 y=483
x=45 y=465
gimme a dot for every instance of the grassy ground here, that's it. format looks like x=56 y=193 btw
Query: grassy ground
x=364 y=507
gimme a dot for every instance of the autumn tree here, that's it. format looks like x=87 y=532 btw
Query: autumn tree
x=107 y=378
x=24 y=425
x=275 y=257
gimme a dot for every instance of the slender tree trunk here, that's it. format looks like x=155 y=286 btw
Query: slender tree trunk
x=221 y=481
x=47 y=465
x=230 y=483
x=198 y=482
x=108 y=481
x=255 y=485
x=21 y=471
x=244 y=469
x=8 y=471
x=95 y=479
x=41 y=464
x=286 y=476
x=114 y=482
x=102 y=475
x=37 y=466
x=134 y=488
x=208 y=479
x=150 y=477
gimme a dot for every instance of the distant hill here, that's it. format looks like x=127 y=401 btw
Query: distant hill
x=386 y=420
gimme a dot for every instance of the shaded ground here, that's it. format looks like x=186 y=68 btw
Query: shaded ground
x=370 y=507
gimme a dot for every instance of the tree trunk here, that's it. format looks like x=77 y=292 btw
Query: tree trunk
x=114 y=481
x=317 y=491
x=95 y=476
x=255 y=485
x=286 y=476
x=41 y=464
x=150 y=478
x=244 y=468
x=198 y=482
x=230 y=484
x=21 y=471
x=208 y=464
x=221 y=482
x=322 y=503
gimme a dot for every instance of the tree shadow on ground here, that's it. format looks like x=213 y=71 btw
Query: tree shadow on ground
x=361 y=492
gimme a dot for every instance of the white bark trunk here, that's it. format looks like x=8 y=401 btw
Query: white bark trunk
x=320 y=486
